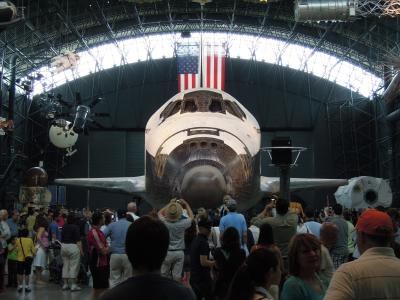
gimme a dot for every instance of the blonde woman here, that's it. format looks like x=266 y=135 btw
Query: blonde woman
x=42 y=245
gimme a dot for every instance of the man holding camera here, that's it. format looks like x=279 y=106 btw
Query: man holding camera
x=176 y=223
x=284 y=224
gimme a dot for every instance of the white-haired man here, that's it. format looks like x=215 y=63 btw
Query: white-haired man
x=132 y=210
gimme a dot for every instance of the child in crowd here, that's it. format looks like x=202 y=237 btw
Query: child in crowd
x=12 y=263
x=25 y=252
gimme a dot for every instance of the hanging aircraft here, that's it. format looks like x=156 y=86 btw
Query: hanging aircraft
x=200 y=145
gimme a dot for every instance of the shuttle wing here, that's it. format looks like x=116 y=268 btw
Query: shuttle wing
x=270 y=185
x=126 y=185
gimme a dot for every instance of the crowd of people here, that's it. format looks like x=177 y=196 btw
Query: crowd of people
x=174 y=253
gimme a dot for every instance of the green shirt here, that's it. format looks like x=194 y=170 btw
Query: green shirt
x=283 y=227
x=296 y=288
x=12 y=253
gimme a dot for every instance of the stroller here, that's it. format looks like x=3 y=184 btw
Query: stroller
x=56 y=263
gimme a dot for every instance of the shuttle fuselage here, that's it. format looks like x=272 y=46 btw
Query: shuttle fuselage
x=201 y=145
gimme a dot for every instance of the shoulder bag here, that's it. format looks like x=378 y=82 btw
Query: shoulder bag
x=28 y=259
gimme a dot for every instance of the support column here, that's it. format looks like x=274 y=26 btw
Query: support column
x=284 y=182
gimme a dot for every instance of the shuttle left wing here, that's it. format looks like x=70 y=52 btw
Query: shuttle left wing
x=126 y=185
x=270 y=185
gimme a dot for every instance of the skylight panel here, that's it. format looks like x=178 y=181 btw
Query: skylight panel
x=246 y=47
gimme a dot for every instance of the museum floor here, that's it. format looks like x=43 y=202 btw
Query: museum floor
x=46 y=292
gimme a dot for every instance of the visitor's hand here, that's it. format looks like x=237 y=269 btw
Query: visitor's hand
x=183 y=203
x=269 y=207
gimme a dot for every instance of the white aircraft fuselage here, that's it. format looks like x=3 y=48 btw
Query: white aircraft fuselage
x=200 y=145
x=203 y=144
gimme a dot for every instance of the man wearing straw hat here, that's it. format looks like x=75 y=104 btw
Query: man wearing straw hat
x=172 y=217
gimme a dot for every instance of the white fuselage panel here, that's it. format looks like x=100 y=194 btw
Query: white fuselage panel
x=241 y=135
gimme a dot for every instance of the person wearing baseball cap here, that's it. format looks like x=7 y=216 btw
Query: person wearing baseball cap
x=234 y=219
x=173 y=217
x=376 y=274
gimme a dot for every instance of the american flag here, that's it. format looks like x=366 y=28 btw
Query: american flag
x=188 y=62
x=214 y=67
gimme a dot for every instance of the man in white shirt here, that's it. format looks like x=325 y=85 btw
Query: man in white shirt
x=132 y=210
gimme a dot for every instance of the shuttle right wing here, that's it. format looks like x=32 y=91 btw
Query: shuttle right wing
x=270 y=185
x=126 y=185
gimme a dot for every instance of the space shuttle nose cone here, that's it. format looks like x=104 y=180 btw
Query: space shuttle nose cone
x=203 y=186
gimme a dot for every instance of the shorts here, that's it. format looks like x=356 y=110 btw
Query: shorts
x=24 y=267
x=100 y=277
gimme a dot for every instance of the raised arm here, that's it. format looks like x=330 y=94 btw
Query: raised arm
x=186 y=206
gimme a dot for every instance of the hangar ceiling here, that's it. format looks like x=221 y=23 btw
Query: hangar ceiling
x=53 y=26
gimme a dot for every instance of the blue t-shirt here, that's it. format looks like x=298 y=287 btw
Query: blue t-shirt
x=313 y=228
x=13 y=227
x=117 y=232
x=233 y=219
x=296 y=288
x=53 y=228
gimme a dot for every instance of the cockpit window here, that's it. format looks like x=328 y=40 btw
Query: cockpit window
x=166 y=110
x=241 y=112
x=234 y=109
x=176 y=108
x=189 y=106
x=215 y=106
x=229 y=108
x=171 y=109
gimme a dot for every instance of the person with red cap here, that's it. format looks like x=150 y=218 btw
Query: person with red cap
x=376 y=274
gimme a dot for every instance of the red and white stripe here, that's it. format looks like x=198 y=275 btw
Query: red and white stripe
x=188 y=81
x=213 y=67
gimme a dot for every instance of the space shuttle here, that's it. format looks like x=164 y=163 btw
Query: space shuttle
x=203 y=144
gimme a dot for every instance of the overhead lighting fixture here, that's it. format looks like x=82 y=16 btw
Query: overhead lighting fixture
x=202 y=2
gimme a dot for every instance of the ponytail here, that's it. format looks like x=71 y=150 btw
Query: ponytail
x=252 y=274
x=242 y=286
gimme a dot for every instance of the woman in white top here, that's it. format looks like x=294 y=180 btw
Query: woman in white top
x=42 y=245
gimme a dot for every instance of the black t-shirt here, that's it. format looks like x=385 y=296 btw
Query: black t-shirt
x=227 y=265
x=70 y=234
x=149 y=287
x=199 y=247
